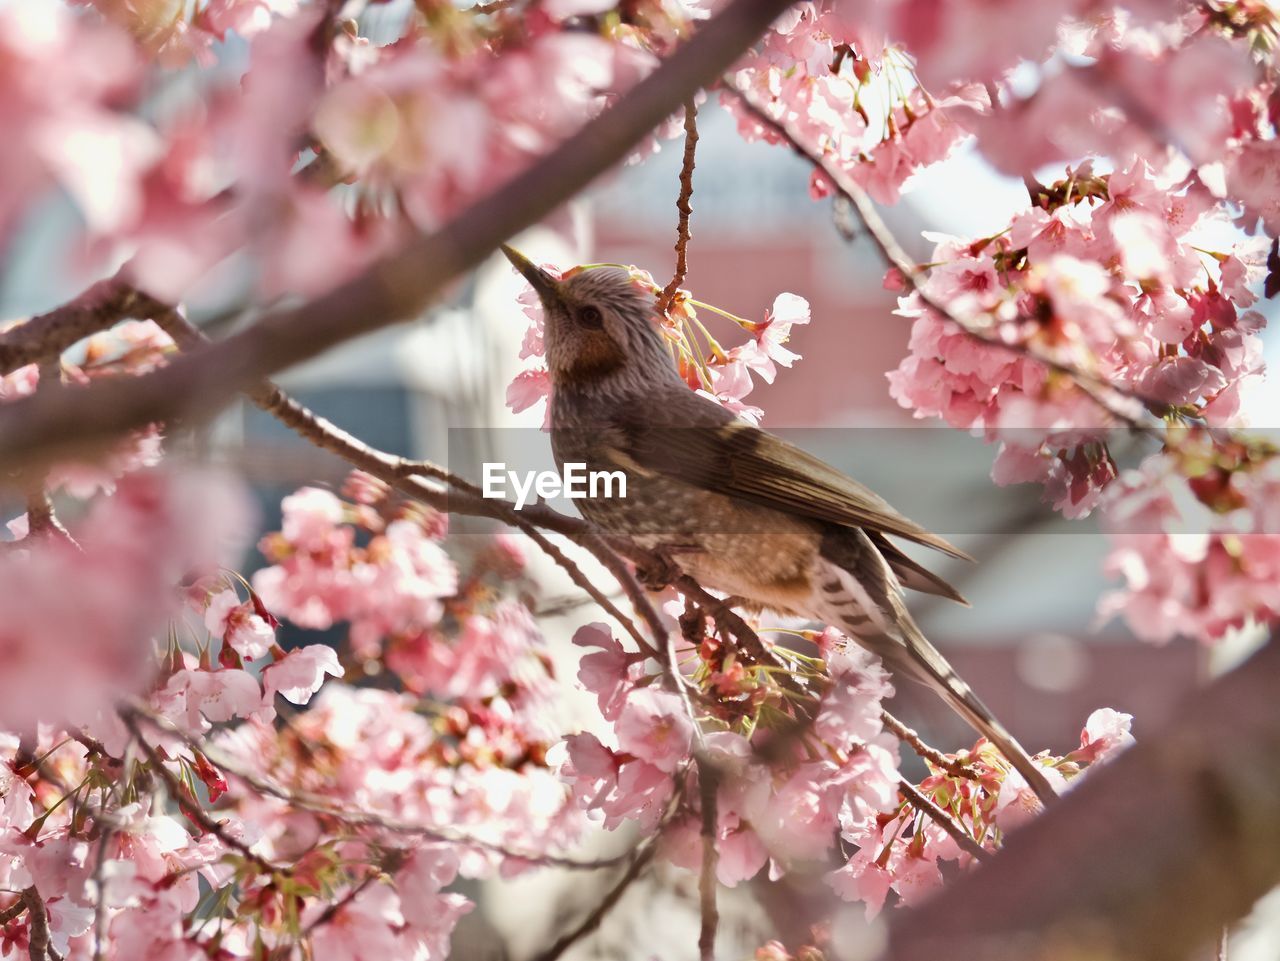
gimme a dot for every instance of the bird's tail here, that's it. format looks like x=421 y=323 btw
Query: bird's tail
x=914 y=657
x=857 y=592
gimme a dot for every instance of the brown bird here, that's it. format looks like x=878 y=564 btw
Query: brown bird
x=737 y=508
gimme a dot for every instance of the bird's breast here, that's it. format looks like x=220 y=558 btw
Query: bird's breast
x=726 y=544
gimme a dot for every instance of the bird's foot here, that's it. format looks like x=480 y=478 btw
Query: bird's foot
x=659 y=571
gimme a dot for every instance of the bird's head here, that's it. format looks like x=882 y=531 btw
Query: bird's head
x=599 y=325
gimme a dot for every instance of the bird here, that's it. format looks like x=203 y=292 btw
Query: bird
x=737 y=508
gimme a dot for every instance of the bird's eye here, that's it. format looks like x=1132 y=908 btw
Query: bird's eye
x=591 y=317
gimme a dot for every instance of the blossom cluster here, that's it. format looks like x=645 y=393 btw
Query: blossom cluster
x=70 y=654
x=417 y=127
x=123 y=873
x=829 y=72
x=799 y=765
x=1110 y=282
x=340 y=828
x=1126 y=288
x=1196 y=540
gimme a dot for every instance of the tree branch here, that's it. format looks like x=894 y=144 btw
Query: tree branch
x=943 y=820
x=1147 y=859
x=38 y=947
x=45 y=336
x=708 y=785
x=683 y=207
x=643 y=856
x=393 y=289
x=190 y=806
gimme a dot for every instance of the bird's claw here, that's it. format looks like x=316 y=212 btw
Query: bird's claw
x=658 y=572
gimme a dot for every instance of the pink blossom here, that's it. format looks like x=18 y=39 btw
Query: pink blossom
x=309 y=516
x=1016 y=803
x=729 y=384
x=366 y=928
x=528 y=388
x=766 y=349
x=941 y=36
x=862 y=880
x=1196 y=558
x=1106 y=733
x=654 y=725
x=68 y=655
x=608 y=671
x=619 y=789
x=1253 y=177
x=227 y=617
x=195 y=699
x=300 y=673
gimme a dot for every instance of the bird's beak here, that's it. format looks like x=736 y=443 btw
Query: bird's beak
x=546 y=285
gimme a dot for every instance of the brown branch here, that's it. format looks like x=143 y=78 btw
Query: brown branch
x=1148 y=858
x=953 y=766
x=403 y=474
x=643 y=856
x=394 y=288
x=45 y=336
x=100 y=919
x=38 y=947
x=12 y=911
x=748 y=640
x=708 y=785
x=188 y=805
x=683 y=207
x=943 y=820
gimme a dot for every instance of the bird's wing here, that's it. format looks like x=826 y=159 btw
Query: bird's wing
x=704 y=445
x=912 y=574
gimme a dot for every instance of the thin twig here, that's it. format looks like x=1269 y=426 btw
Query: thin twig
x=682 y=206
x=708 y=785
x=403 y=474
x=99 y=881
x=644 y=854
x=749 y=641
x=953 y=766
x=943 y=820
x=331 y=912
x=190 y=808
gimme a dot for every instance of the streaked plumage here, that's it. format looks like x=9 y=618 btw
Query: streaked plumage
x=736 y=507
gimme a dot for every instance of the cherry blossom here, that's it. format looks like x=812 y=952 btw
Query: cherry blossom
x=158 y=797
x=69 y=654
x=300 y=673
x=236 y=622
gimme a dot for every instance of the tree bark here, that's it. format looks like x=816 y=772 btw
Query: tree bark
x=1147 y=859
